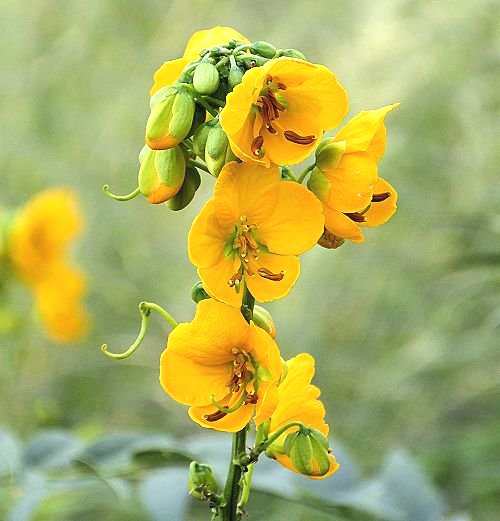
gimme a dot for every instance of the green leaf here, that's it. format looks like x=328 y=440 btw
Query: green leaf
x=52 y=450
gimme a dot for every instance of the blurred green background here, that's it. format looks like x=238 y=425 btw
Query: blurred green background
x=405 y=328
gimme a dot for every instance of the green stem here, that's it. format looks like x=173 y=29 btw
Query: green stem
x=247 y=482
x=199 y=165
x=232 y=490
x=126 y=197
x=215 y=101
x=289 y=173
x=303 y=175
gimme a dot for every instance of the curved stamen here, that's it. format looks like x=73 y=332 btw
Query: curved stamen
x=228 y=410
x=269 y=275
x=292 y=136
x=378 y=198
x=356 y=217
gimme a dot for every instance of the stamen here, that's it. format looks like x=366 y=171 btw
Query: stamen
x=251 y=398
x=378 y=198
x=257 y=145
x=269 y=275
x=356 y=217
x=234 y=279
x=300 y=140
x=217 y=415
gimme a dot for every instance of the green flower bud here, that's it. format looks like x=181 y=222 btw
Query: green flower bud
x=290 y=53
x=198 y=292
x=200 y=137
x=217 y=150
x=235 y=76
x=143 y=153
x=206 y=78
x=171 y=117
x=201 y=481
x=185 y=195
x=321 y=454
x=161 y=174
x=319 y=184
x=265 y=49
x=301 y=453
x=329 y=153
x=264 y=320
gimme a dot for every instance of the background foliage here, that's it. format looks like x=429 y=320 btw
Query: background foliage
x=405 y=328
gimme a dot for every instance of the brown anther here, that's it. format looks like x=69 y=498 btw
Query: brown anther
x=269 y=79
x=292 y=136
x=378 y=198
x=256 y=146
x=251 y=398
x=275 y=103
x=218 y=415
x=269 y=275
x=233 y=380
x=281 y=86
x=251 y=242
x=236 y=277
x=356 y=217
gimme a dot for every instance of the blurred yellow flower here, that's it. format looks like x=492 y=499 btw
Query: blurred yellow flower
x=171 y=70
x=39 y=236
x=346 y=179
x=298 y=402
x=251 y=232
x=278 y=113
x=219 y=358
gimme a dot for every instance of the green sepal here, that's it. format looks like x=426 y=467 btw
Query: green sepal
x=319 y=184
x=184 y=196
x=320 y=455
x=301 y=453
x=329 y=153
x=201 y=481
x=217 y=150
x=182 y=115
x=200 y=137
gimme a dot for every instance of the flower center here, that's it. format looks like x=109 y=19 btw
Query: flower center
x=247 y=248
x=241 y=376
x=269 y=104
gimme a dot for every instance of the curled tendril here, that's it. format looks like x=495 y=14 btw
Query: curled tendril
x=126 y=197
x=145 y=309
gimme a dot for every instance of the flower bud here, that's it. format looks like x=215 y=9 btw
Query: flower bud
x=265 y=49
x=263 y=319
x=206 y=78
x=235 y=76
x=185 y=195
x=201 y=481
x=319 y=184
x=198 y=292
x=217 y=150
x=200 y=137
x=308 y=451
x=329 y=153
x=330 y=241
x=172 y=112
x=161 y=174
x=290 y=53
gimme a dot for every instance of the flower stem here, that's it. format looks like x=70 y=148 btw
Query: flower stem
x=232 y=490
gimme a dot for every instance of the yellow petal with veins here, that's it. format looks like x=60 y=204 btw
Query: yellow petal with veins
x=232 y=422
x=341 y=226
x=168 y=73
x=381 y=212
x=296 y=222
x=215 y=280
x=265 y=290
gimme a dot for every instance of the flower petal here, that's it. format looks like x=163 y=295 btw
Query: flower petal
x=265 y=290
x=232 y=422
x=265 y=351
x=284 y=460
x=341 y=226
x=168 y=73
x=296 y=222
x=352 y=182
x=207 y=238
x=210 y=38
x=245 y=189
x=215 y=280
x=366 y=132
x=381 y=212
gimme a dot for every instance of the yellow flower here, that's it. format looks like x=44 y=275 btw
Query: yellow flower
x=251 y=232
x=346 y=179
x=298 y=402
x=219 y=358
x=40 y=234
x=278 y=113
x=171 y=70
